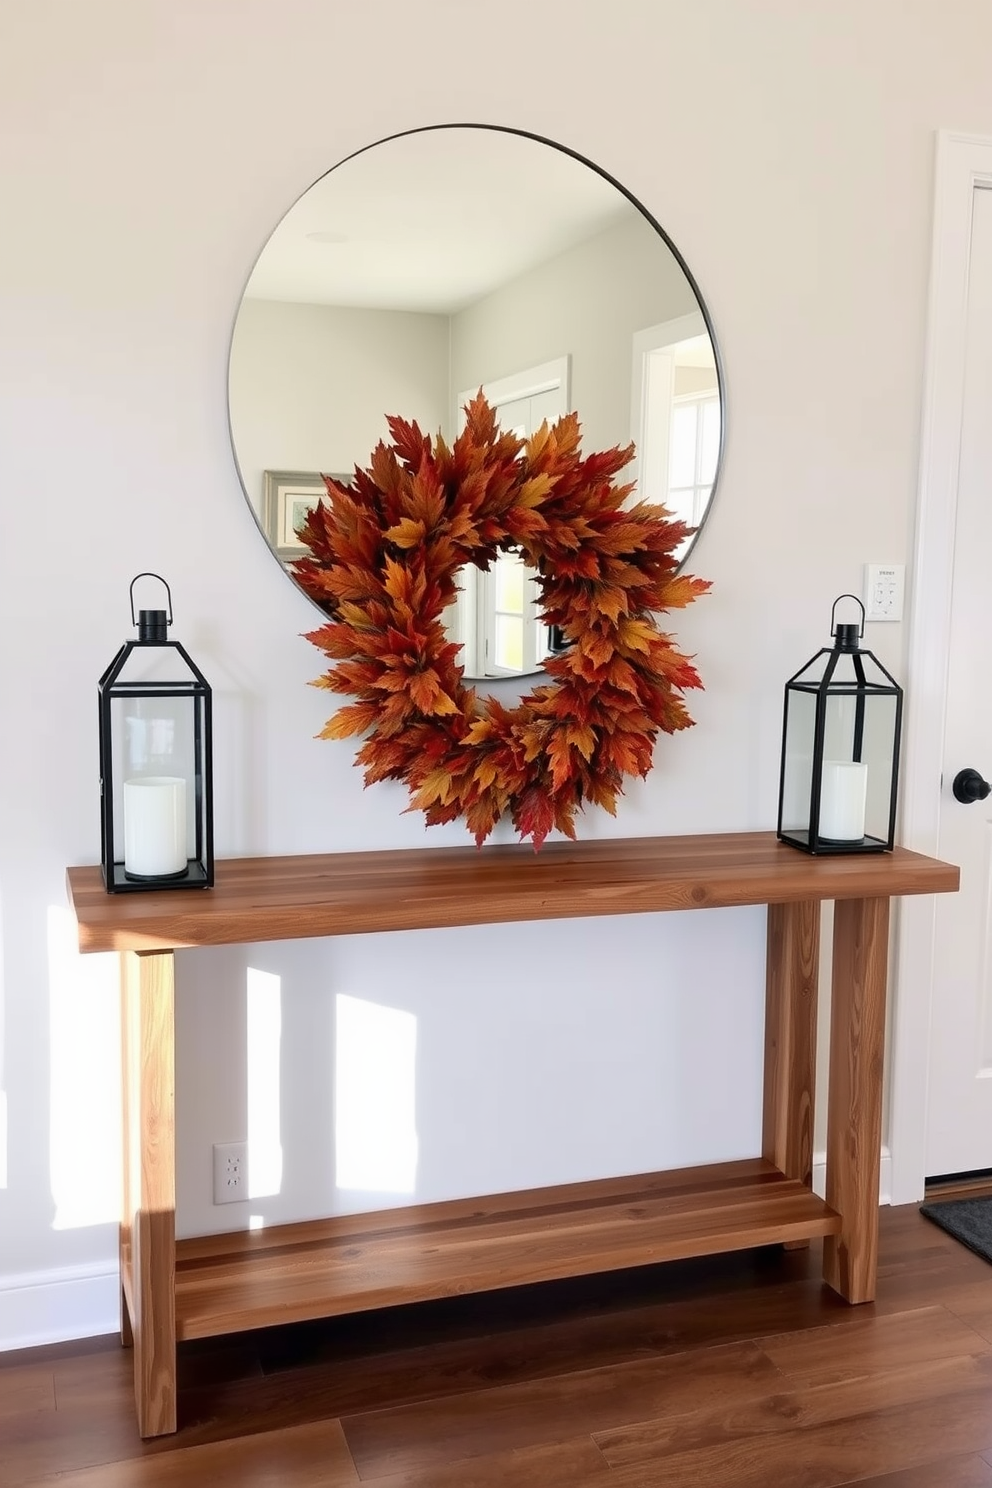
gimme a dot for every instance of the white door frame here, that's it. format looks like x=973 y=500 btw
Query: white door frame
x=655 y=338
x=963 y=164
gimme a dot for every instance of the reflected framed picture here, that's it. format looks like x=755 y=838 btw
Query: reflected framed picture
x=287 y=496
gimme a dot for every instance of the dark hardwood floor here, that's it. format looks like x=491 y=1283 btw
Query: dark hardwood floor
x=734 y=1371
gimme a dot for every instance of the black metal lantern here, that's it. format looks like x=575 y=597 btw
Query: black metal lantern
x=840 y=749
x=156 y=808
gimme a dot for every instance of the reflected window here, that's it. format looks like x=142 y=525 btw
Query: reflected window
x=511 y=637
x=676 y=420
x=695 y=447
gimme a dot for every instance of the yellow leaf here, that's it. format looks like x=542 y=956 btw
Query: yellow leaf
x=406 y=534
x=682 y=591
x=479 y=732
x=537 y=441
x=347 y=722
x=582 y=738
x=435 y=787
x=533 y=491
x=637 y=635
x=485 y=773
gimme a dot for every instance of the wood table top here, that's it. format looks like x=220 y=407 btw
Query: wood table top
x=283 y=898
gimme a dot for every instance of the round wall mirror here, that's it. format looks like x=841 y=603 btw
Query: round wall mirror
x=450 y=259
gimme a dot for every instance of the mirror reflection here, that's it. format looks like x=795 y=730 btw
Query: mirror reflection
x=449 y=259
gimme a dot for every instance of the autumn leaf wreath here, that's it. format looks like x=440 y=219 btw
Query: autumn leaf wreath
x=385 y=551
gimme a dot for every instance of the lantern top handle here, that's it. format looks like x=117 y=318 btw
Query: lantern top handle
x=152 y=624
x=847 y=636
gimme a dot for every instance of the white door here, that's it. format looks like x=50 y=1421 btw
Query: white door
x=959 y=1109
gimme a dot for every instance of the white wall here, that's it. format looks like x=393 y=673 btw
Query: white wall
x=148 y=146
x=587 y=303
x=311 y=384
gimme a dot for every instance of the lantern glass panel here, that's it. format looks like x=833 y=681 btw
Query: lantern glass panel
x=154 y=754
x=797 y=766
x=878 y=751
x=840 y=721
x=154 y=765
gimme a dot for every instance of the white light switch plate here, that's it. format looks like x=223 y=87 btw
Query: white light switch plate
x=885 y=584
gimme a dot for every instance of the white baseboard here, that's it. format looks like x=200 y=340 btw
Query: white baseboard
x=67 y=1302
x=884 y=1175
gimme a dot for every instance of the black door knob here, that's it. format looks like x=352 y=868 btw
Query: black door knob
x=970 y=787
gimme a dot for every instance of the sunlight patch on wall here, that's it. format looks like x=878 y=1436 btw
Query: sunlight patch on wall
x=264 y=1022
x=375 y=1113
x=85 y=1096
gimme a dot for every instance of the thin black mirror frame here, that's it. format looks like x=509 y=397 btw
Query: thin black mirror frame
x=539 y=139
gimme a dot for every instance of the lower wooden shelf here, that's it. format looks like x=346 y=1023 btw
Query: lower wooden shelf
x=228 y=1283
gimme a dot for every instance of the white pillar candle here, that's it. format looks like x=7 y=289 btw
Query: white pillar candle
x=155 y=826
x=843 y=790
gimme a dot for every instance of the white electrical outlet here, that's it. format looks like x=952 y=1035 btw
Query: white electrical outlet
x=230 y=1172
x=884 y=587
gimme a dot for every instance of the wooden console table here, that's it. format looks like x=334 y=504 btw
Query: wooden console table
x=223 y=1283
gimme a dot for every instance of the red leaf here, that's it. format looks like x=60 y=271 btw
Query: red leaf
x=534 y=814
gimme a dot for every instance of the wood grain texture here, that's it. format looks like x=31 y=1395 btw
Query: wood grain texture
x=344 y=893
x=227 y=1283
x=313 y=1456
x=30 y=1388
x=723 y=1428
x=577 y=1463
x=129 y=1200
x=956 y=1472
x=854 y=1108
x=873 y=1345
x=841 y=1451
x=463 y=1427
x=963 y=1188
x=737 y=1369
x=792 y=967
x=148 y=1034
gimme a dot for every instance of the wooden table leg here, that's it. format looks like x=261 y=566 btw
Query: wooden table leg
x=127 y=1205
x=790 y=1037
x=854 y=1114
x=148 y=1229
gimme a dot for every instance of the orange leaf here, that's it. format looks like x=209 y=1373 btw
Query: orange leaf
x=406 y=533
x=582 y=738
x=354 y=719
x=485 y=772
x=435 y=787
x=636 y=635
